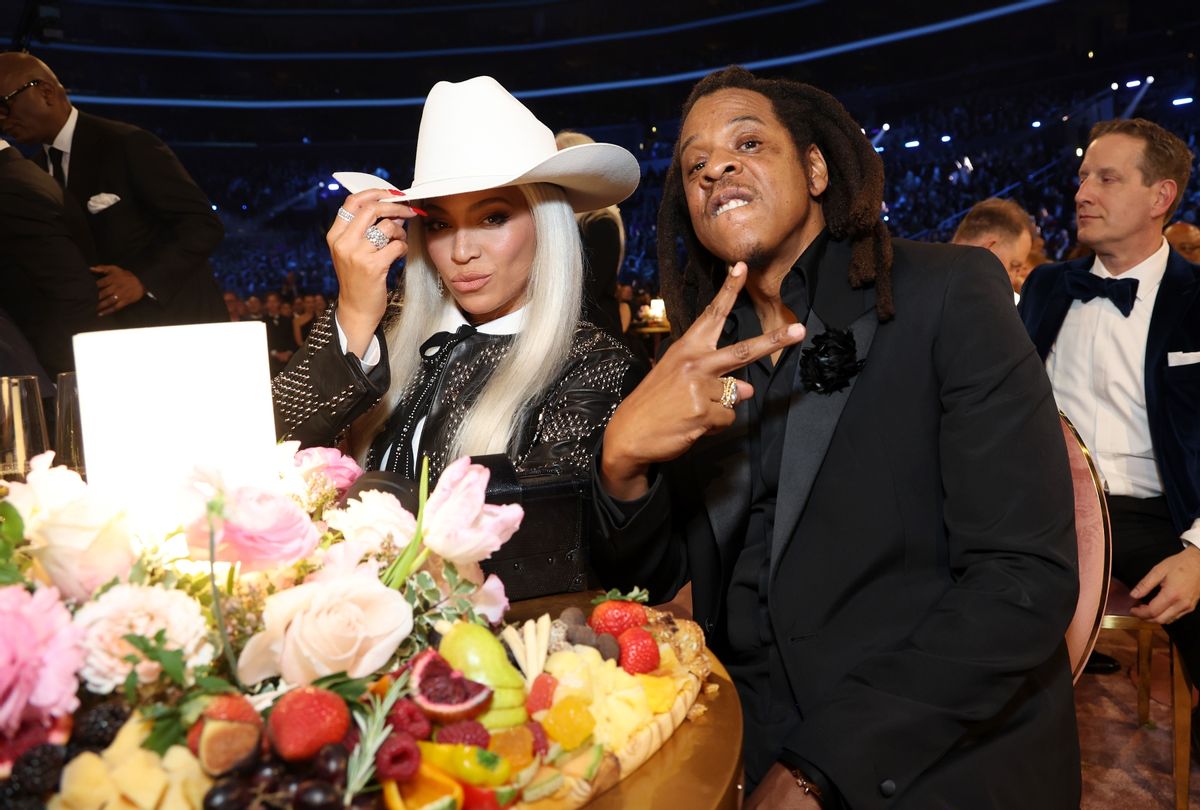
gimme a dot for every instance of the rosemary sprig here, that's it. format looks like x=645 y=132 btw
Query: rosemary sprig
x=373 y=730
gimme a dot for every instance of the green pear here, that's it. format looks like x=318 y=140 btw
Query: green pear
x=505 y=698
x=476 y=653
x=495 y=719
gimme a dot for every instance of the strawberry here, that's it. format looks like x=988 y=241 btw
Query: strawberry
x=541 y=693
x=232 y=708
x=305 y=719
x=616 y=612
x=639 y=651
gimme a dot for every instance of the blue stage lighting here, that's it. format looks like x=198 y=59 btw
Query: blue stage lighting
x=945 y=139
x=911 y=144
x=1134 y=83
x=332 y=186
x=1179 y=102
x=1036 y=124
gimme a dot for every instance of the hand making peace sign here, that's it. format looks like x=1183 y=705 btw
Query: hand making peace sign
x=684 y=397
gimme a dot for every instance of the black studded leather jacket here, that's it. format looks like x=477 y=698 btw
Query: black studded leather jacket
x=323 y=390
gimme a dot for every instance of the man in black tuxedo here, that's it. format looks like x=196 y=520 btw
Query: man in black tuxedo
x=1120 y=334
x=153 y=228
x=44 y=280
x=877 y=523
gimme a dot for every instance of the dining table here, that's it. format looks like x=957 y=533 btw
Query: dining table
x=700 y=766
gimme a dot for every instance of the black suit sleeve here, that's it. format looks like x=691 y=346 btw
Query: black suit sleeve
x=192 y=231
x=44 y=278
x=1011 y=558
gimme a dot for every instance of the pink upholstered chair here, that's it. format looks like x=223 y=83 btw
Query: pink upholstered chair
x=1095 y=550
x=1104 y=603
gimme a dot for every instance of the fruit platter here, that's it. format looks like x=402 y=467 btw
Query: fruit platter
x=286 y=647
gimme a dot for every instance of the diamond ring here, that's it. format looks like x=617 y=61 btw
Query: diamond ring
x=377 y=237
x=344 y=215
x=729 y=396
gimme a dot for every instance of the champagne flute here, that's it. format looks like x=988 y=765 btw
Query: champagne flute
x=68 y=429
x=22 y=426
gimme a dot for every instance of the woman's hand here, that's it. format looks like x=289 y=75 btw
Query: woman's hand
x=361 y=267
x=680 y=399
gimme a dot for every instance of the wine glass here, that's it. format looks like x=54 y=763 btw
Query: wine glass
x=22 y=426
x=68 y=430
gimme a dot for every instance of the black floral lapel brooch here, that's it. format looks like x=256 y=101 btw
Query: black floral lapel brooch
x=828 y=365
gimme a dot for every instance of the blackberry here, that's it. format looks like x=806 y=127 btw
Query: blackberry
x=37 y=771
x=98 y=726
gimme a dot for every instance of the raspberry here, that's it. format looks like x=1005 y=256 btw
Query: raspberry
x=398 y=758
x=407 y=716
x=37 y=771
x=541 y=743
x=96 y=728
x=466 y=732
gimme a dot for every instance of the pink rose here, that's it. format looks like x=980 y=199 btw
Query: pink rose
x=458 y=525
x=260 y=530
x=339 y=469
x=40 y=651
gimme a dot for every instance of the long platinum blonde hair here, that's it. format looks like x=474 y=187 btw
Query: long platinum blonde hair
x=539 y=351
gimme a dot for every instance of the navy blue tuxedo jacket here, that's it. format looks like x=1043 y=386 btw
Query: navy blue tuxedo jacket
x=1172 y=392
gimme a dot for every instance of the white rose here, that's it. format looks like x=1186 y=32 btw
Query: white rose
x=139 y=610
x=372 y=518
x=353 y=624
x=79 y=541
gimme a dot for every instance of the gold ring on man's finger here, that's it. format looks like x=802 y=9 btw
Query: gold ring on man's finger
x=729 y=395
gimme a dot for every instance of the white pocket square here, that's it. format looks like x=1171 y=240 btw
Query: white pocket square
x=101 y=201
x=1182 y=358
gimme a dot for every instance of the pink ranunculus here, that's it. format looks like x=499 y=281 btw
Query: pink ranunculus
x=458 y=525
x=260 y=530
x=40 y=652
x=340 y=469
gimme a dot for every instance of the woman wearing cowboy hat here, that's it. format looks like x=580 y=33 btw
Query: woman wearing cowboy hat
x=484 y=351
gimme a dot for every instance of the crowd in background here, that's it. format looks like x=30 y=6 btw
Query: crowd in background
x=276 y=211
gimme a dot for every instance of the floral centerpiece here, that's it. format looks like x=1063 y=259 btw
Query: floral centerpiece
x=139 y=667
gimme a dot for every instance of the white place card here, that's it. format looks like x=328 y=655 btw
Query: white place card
x=157 y=404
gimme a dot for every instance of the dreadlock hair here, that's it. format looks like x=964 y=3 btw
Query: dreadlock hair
x=851 y=202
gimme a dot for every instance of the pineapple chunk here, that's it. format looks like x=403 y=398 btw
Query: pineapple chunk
x=128 y=739
x=86 y=784
x=141 y=779
x=185 y=776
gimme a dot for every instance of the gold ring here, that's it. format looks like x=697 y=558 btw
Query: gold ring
x=729 y=396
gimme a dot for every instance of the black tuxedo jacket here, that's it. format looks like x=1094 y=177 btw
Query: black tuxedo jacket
x=163 y=229
x=922 y=568
x=45 y=283
x=1172 y=392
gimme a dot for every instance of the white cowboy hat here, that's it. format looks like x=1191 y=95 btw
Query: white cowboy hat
x=474 y=135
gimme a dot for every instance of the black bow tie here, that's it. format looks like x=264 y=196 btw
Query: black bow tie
x=1085 y=286
x=442 y=340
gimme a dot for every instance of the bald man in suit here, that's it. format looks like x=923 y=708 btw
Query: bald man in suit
x=153 y=228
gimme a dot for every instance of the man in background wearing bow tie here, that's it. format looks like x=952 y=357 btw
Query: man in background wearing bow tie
x=153 y=229
x=1120 y=334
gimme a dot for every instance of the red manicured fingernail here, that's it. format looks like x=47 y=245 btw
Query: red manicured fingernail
x=416 y=210
x=395 y=192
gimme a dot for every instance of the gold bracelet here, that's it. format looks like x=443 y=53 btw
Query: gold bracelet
x=809 y=788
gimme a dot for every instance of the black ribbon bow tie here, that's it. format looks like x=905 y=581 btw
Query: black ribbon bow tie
x=441 y=340
x=1085 y=286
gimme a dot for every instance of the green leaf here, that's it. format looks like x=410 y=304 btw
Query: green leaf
x=131 y=684
x=636 y=595
x=349 y=689
x=139 y=572
x=10 y=575
x=168 y=731
x=12 y=528
x=214 y=685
